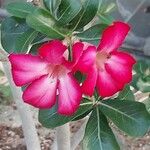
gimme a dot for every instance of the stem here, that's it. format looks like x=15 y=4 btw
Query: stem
x=28 y=126
x=63 y=137
x=78 y=136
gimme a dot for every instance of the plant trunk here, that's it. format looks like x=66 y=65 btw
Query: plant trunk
x=28 y=126
x=63 y=137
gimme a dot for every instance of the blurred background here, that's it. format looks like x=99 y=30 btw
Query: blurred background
x=137 y=14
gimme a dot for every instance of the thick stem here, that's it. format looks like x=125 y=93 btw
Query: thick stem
x=63 y=137
x=28 y=126
x=78 y=136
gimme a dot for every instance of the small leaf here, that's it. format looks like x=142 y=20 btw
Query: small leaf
x=98 y=134
x=11 y=29
x=129 y=116
x=92 y=35
x=24 y=41
x=141 y=67
x=143 y=84
x=43 y=22
x=20 y=9
x=52 y=5
x=49 y=118
x=126 y=94
x=68 y=9
x=87 y=13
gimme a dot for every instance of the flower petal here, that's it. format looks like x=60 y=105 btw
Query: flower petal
x=123 y=58
x=26 y=68
x=77 y=50
x=120 y=68
x=90 y=82
x=113 y=36
x=41 y=93
x=70 y=95
x=53 y=51
x=106 y=85
x=87 y=60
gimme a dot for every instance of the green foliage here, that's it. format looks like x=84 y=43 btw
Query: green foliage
x=87 y=13
x=92 y=35
x=68 y=9
x=12 y=29
x=126 y=94
x=42 y=21
x=32 y=27
x=141 y=80
x=104 y=12
x=129 y=116
x=98 y=134
x=49 y=118
x=52 y=5
x=20 y=9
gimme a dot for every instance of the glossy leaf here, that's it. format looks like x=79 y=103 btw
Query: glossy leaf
x=129 y=116
x=87 y=13
x=68 y=9
x=98 y=134
x=92 y=35
x=43 y=22
x=24 y=41
x=20 y=9
x=11 y=29
x=126 y=94
x=49 y=118
x=52 y=5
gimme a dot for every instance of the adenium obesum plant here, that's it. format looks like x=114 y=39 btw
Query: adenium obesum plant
x=49 y=79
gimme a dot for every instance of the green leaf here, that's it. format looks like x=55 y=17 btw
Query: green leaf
x=43 y=22
x=147 y=104
x=106 y=19
x=143 y=84
x=141 y=67
x=98 y=134
x=129 y=116
x=92 y=35
x=20 y=9
x=52 y=5
x=87 y=13
x=24 y=41
x=11 y=29
x=107 y=7
x=126 y=94
x=49 y=118
x=68 y=9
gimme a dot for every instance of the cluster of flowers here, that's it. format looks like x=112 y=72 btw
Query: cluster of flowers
x=49 y=76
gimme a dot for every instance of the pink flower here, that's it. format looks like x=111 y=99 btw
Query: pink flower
x=47 y=75
x=107 y=68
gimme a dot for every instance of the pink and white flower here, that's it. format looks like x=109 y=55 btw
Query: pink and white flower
x=46 y=76
x=107 y=68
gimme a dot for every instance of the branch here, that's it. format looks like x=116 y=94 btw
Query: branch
x=63 y=137
x=78 y=136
